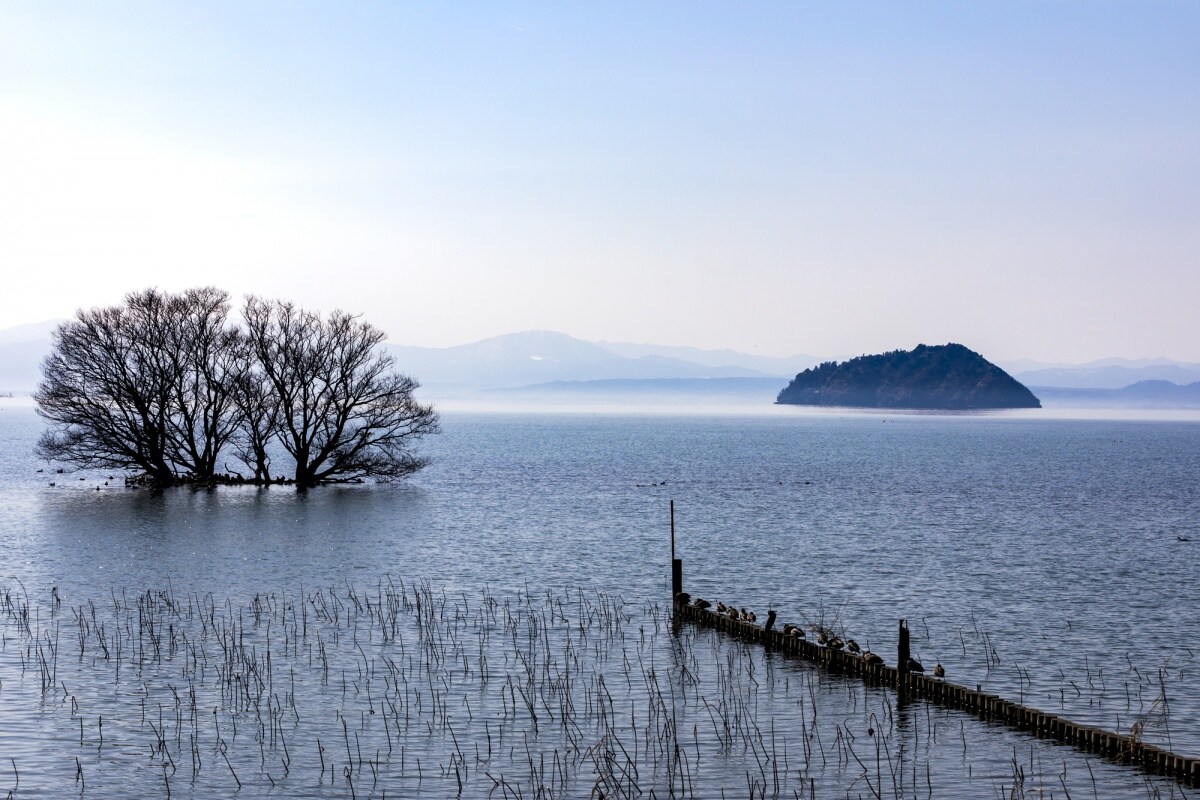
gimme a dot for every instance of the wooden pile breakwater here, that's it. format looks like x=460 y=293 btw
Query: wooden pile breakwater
x=911 y=686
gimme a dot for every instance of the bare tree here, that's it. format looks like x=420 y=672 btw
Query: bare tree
x=259 y=419
x=145 y=385
x=106 y=389
x=343 y=413
x=207 y=361
x=164 y=384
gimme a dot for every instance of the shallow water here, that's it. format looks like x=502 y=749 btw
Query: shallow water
x=1038 y=558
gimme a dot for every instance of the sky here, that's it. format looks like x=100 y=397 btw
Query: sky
x=775 y=177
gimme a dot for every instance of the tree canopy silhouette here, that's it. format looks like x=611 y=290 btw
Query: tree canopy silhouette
x=340 y=410
x=167 y=385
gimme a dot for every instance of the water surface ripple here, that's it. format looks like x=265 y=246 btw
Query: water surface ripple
x=1049 y=561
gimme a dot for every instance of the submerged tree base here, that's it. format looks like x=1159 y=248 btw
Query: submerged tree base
x=145 y=480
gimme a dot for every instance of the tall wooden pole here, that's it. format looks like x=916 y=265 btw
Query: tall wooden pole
x=676 y=563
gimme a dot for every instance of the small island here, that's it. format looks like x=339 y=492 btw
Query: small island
x=946 y=377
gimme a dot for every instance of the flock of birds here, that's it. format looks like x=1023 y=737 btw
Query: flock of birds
x=824 y=635
x=60 y=471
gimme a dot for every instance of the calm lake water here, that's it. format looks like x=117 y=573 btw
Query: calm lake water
x=518 y=588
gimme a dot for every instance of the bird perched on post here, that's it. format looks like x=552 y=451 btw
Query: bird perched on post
x=701 y=603
x=852 y=646
x=872 y=658
x=770 y=620
x=683 y=597
x=914 y=665
x=938 y=670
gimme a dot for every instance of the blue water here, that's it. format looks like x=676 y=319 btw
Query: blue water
x=1039 y=558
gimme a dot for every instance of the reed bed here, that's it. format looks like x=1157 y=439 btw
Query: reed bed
x=403 y=689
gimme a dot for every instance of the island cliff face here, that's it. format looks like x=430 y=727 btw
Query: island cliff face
x=947 y=376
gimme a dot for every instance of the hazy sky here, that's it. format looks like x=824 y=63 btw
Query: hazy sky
x=830 y=178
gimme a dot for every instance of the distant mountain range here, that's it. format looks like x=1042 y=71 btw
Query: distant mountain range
x=766 y=365
x=21 y=352
x=1143 y=394
x=556 y=365
x=1111 y=374
x=501 y=362
x=536 y=357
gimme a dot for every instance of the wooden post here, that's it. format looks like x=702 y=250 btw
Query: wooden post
x=676 y=563
x=902 y=656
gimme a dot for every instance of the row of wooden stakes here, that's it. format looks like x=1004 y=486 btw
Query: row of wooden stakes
x=910 y=685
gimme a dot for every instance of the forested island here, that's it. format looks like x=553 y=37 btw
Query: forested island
x=948 y=377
